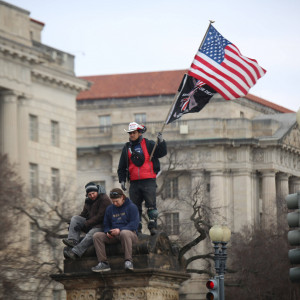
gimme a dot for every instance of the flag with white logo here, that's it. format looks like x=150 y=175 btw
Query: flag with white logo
x=192 y=96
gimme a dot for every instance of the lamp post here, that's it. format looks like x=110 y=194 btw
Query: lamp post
x=220 y=236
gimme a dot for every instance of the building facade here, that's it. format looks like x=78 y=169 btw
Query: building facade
x=240 y=157
x=38 y=90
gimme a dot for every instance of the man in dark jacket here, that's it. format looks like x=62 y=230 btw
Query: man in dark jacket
x=121 y=221
x=136 y=166
x=89 y=221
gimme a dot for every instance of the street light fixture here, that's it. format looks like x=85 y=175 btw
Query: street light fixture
x=220 y=236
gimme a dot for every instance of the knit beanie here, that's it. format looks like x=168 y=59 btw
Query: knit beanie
x=91 y=187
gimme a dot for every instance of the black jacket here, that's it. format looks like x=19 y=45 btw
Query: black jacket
x=160 y=151
x=94 y=211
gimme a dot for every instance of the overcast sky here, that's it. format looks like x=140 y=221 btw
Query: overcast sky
x=126 y=36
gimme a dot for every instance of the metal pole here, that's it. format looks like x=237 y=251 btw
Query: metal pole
x=222 y=270
x=174 y=100
x=217 y=257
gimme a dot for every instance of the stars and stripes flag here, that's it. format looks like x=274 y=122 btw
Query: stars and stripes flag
x=220 y=64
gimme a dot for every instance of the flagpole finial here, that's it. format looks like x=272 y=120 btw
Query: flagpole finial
x=211 y=21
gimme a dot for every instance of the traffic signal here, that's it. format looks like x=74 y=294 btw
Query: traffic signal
x=293 y=219
x=213 y=286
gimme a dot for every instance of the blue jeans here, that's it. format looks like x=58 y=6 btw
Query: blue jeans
x=87 y=241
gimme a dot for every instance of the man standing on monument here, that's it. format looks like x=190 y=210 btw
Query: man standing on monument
x=136 y=166
x=89 y=221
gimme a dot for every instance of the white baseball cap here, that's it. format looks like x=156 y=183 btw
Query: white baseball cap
x=133 y=126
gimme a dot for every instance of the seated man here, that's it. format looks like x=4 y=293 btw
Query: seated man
x=89 y=221
x=121 y=222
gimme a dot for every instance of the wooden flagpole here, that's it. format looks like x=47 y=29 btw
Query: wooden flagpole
x=176 y=95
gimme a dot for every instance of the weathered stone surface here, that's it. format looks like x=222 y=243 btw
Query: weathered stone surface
x=150 y=252
x=157 y=273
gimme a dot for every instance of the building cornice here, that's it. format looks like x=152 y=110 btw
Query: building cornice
x=73 y=83
x=21 y=53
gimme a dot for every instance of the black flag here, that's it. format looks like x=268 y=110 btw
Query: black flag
x=193 y=95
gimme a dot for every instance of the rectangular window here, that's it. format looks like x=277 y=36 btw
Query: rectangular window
x=100 y=182
x=140 y=118
x=55 y=184
x=33 y=176
x=55 y=133
x=171 y=188
x=172 y=223
x=105 y=123
x=33 y=128
x=34 y=237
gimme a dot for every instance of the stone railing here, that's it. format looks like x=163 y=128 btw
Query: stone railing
x=177 y=131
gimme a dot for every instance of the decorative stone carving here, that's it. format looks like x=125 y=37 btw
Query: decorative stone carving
x=258 y=155
x=204 y=156
x=232 y=155
x=144 y=293
x=14 y=72
x=289 y=159
x=293 y=138
x=82 y=294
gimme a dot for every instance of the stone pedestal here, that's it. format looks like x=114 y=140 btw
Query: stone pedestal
x=157 y=273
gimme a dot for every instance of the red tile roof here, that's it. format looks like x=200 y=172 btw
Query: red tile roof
x=268 y=104
x=146 y=84
x=38 y=22
x=132 y=85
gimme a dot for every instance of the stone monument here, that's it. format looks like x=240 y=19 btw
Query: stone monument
x=157 y=273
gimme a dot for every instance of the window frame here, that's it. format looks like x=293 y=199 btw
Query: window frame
x=171 y=188
x=34 y=180
x=104 y=123
x=140 y=118
x=55 y=183
x=54 y=133
x=33 y=128
x=172 y=223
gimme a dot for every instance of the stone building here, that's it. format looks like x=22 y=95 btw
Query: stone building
x=38 y=90
x=245 y=153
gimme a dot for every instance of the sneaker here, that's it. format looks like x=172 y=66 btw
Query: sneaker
x=128 y=265
x=70 y=243
x=101 y=267
x=70 y=254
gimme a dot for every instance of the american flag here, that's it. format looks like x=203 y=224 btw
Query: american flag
x=220 y=64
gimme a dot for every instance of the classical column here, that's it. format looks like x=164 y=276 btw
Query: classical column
x=242 y=206
x=9 y=125
x=115 y=162
x=269 y=205
x=197 y=182
x=218 y=203
x=282 y=188
x=294 y=185
x=23 y=129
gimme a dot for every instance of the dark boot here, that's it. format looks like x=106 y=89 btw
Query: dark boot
x=70 y=243
x=68 y=253
x=152 y=226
